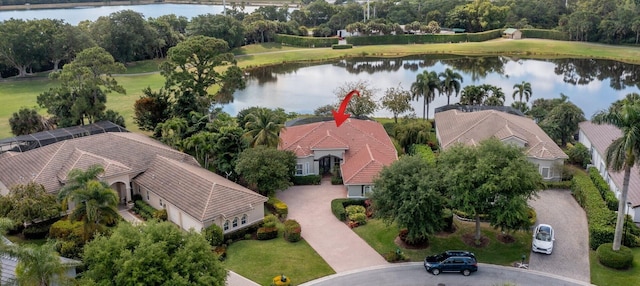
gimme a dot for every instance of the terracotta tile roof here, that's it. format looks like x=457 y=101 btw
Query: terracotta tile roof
x=473 y=127
x=366 y=144
x=601 y=137
x=202 y=194
x=120 y=152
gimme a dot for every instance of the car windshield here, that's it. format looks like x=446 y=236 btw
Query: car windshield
x=544 y=236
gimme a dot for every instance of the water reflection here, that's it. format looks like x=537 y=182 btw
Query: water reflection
x=302 y=87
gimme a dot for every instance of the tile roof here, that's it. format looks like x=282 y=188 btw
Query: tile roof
x=473 y=127
x=367 y=146
x=601 y=137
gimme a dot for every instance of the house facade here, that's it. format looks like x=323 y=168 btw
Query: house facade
x=359 y=149
x=136 y=164
x=597 y=139
x=470 y=128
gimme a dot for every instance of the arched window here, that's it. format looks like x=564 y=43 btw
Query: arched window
x=235 y=222
x=226 y=225
x=244 y=219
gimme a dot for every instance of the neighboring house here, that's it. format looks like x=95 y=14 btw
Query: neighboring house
x=358 y=148
x=512 y=34
x=8 y=266
x=136 y=164
x=470 y=128
x=597 y=139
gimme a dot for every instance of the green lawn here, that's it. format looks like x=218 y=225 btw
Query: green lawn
x=261 y=260
x=604 y=276
x=381 y=238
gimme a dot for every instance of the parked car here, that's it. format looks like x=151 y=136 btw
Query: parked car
x=448 y=261
x=543 y=238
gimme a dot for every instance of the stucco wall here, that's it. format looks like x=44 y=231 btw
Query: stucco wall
x=317 y=154
x=308 y=166
x=253 y=215
x=355 y=191
x=554 y=172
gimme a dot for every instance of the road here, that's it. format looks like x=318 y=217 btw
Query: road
x=414 y=274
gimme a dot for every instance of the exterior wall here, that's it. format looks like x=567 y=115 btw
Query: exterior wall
x=598 y=161
x=552 y=172
x=174 y=214
x=317 y=154
x=514 y=141
x=125 y=180
x=308 y=166
x=254 y=215
x=356 y=191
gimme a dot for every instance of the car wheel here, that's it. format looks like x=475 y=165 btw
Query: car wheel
x=466 y=272
x=435 y=271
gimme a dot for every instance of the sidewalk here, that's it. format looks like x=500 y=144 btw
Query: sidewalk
x=234 y=279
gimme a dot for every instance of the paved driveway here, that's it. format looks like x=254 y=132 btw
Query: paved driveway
x=340 y=247
x=570 y=257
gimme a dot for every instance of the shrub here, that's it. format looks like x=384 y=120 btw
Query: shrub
x=394 y=256
x=563 y=185
x=532 y=216
x=447 y=217
x=579 y=155
x=221 y=251
x=621 y=259
x=160 y=214
x=277 y=206
x=65 y=229
x=269 y=221
x=341 y=47
x=266 y=233
x=338 y=207
x=545 y=34
x=354 y=209
x=240 y=233
x=335 y=180
x=69 y=249
x=214 y=235
x=600 y=218
x=607 y=195
x=36 y=231
x=143 y=209
x=136 y=197
x=359 y=218
x=308 y=42
x=292 y=231
x=307 y=180
x=425 y=152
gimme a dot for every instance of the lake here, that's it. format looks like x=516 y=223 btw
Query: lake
x=80 y=13
x=590 y=84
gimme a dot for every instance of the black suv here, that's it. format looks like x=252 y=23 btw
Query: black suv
x=451 y=261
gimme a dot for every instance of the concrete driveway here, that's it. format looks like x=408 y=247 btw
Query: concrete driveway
x=570 y=257
x=332 y=239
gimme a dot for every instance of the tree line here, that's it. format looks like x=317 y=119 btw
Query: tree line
x=38 y=45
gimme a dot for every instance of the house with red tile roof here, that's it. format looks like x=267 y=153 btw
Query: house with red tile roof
x=597 y=138
x=470 y=128
x=359 y=149
x=135 y=164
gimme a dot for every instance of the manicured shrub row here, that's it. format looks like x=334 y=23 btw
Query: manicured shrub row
x=241 y=233
x=309 y=42
x=335 y=180
x=605 y=192
x=563 y=185
x=615 y=259
x=266 y=233
x=425 y=39
x=338 y=207
x=342 y=47
x=148 y=212
x=600 y=218
x=545 y=34
x=425 y=152
x=307 y=180
x=292 y=231
x=277 y=206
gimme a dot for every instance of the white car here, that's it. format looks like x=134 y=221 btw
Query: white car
x=543 y=238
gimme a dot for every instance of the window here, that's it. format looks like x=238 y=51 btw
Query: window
x=545 y=172
x=226 y=225
x=161 y=202
x=244 y=219
x=147 y=195
x=235 y=222
x=298 y=169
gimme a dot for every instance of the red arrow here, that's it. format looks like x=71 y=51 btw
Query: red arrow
x=339 y=115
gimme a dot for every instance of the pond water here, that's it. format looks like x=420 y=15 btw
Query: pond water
x=590 y=84
x=80 y=13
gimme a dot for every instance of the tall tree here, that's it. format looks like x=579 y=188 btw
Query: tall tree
x=623 y=153
x=193 y=67
x=358 y=106
x=396 y=100
x=522 y=90
x=125 y=34
x=153 y=253
x=227 y=146
x=407 y=193
x=218 y=26
x=262 y=129
x=152 y=109
x=30 y=202
x=562 y=122
x=84 y=84
x=20 y=46
x=425 y=86
x=479 y=179
x=76 y=180
x=451 y=81
x=200 y=145
x=266 y=169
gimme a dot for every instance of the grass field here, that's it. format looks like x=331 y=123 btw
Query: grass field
x=381 y=238
x=604 y=276
x=16 y=93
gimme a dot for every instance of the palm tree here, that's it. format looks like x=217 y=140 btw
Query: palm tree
x=76 y=180
x=96 y=205
x=451 y=81
x=523 y=90
x=200 y=145
x=623 y=152
x=38 y=264
x=425 y=86
x=262 y=128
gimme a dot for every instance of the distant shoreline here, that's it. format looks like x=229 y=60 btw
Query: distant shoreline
x=127 y=3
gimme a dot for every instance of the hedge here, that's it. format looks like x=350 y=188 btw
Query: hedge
x=563 y=185
x=424 y=39
x=266 y=233
x=338 y=207
x=605 y=192
x=279 y=207
x=292 y=231
x=341 y=47
x=145 y=210
x=424 y=151
x=621 y=259
x=545 y=34
x=600 y=218
x=307 y=180
x=309 y=42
